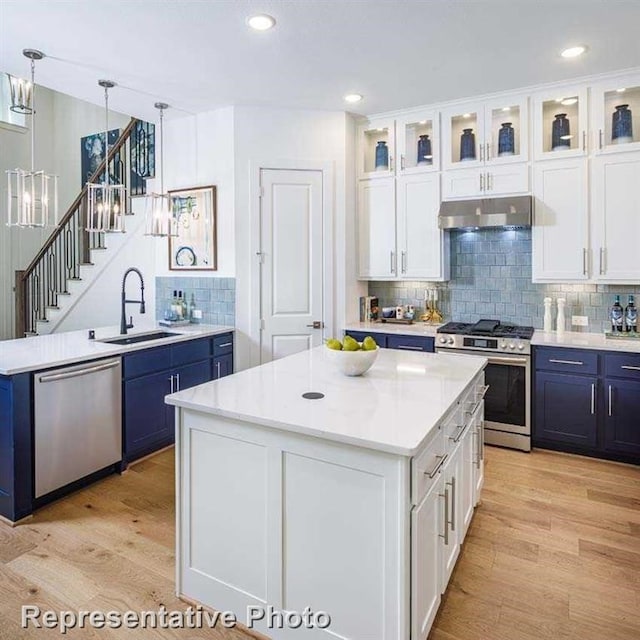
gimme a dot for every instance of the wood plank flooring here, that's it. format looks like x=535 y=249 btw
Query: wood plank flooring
x=553 y=552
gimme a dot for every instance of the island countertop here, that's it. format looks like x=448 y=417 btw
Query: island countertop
x=393 y=407
x=56 y=349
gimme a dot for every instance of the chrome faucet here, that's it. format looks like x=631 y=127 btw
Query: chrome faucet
x=124 y=325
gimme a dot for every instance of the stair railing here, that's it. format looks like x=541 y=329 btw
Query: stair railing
x=69 y=246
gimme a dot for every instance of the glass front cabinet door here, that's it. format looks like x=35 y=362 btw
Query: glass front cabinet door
x=615 y=115
x=488 y=133
x=376 y=148
x=560 y=123
x=418 y=143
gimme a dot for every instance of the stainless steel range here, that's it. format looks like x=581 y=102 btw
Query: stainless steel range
x=508 y=375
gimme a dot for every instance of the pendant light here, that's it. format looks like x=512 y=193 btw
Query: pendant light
x=106 y=201
x=32 y=196
x=159 y=217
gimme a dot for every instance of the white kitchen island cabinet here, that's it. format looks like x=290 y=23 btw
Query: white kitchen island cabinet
x=353 y=504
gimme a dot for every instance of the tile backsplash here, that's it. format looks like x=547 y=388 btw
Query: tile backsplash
x=491 y=278
x=216 y=297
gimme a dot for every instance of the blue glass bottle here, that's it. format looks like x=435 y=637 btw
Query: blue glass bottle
x=621 y=125
x=617 y=315
x=382 y=156
x=424 y=150
x=467 y=145
x=631 y=316
x=560 y=133
x=506 y=140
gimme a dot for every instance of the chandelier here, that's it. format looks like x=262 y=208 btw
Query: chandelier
x=106 y=200
x=32 y=196
x=159 y=216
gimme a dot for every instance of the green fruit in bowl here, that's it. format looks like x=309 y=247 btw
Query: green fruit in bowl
x=334 y=344
x=369 y=344
x=350 y=344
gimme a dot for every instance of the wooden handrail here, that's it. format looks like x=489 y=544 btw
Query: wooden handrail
x=76 y=203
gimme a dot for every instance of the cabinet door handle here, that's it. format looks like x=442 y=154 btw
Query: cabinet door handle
x=409 y=347
x=600 y=138
x=482 y=182
x=584 y=140
x=628 y=367
x=488 y=153
x=593 y=399
x=584 y=262
x=391 y=261
x=452 y=484
x=478 y=447
x=171 y=381
x=177 y=382
x=575 y=362
x=218 y=370
x=390 y=163
x=481 y=439
x=439 y=464
x=489 y=181
x=445 y=495
x=481 y=149
x=403 y=261
x=402 y=161
x=610 y=401
x=226 y=344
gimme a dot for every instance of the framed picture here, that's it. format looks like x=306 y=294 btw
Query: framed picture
x=92 y=154
x=142 y=157
x=195 y=246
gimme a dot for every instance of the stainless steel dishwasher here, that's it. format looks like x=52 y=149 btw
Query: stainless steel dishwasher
x=78 y=422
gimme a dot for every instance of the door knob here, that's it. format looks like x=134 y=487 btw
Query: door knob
x=317 y=324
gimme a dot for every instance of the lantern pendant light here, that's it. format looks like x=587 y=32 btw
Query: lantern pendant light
x=107 y=201
x=32 y=196
x=160 y=219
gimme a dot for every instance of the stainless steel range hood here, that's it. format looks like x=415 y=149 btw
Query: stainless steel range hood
x=487 y=212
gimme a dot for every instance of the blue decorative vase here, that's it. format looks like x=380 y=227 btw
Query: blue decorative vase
x=424 y=150
x=506 y=140
x=467 y=145
x=382 y=156
x=560 y=133
x=621 y=128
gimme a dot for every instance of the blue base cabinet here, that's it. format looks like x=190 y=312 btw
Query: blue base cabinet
x=396 y=341
x=152 y=374
x=587 y=402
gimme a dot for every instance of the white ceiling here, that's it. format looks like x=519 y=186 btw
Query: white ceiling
x=199 y=55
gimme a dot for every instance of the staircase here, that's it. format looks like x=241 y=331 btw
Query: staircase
x=72 y=257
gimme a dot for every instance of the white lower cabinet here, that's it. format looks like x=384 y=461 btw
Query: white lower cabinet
x=398 y=234
x=450 y=548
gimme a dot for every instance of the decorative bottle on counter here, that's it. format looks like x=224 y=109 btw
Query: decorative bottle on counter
x=424 y=150
x=467 y=145
x=560 y=319
x=631 y=316
x=560 y=133
x=617 y=315
x=506 y=140
x=548 y=322
x=192 y=308
x=382 y=156
x=183 y=306
x=621 y=125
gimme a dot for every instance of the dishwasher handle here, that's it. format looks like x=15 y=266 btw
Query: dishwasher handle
x=52 y=377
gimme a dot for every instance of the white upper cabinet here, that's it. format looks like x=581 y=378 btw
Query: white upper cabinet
x=418 y=143
x=560 y=123
x=480 y=134
x=376 y=148
x=615 y=115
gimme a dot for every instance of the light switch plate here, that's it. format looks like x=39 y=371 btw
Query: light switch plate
x=580 y=321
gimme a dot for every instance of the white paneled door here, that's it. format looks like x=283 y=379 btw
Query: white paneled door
x=291 y=252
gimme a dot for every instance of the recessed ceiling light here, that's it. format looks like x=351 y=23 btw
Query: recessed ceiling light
x=380 y=130
x=621 y=90
x=261 y=22
x=506 y=108
x=422 y=122
x=466 y=115
x=569 y=101
x=573 y=52
x=353 y=97
x=559 y=100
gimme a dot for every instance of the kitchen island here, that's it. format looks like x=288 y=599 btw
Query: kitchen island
x=354 y=504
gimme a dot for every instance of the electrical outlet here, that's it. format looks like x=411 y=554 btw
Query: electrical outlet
x=580 y=321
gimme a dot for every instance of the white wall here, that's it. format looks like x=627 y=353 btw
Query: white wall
x=199 y=152
x=278 y=138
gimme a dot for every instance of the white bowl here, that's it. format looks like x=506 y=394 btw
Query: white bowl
x=352 y=363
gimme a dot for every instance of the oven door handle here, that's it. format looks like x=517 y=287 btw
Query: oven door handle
x=510 y=361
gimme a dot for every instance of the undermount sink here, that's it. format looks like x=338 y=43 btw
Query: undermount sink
x=144 y=337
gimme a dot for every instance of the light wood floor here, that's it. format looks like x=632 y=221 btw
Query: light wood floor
x=553 y=552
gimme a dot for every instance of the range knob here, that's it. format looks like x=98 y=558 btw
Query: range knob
x=451 y=340
x=503 y=345
x=521 y=347
x=443 y=339
x=512 y=346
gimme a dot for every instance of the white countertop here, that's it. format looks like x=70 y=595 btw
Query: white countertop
x=415 y=329
x=392 y=407
x=579 y=340
x=44 y=352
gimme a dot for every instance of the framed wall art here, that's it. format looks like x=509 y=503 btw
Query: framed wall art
x=195 y=246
